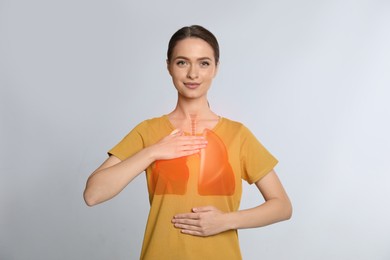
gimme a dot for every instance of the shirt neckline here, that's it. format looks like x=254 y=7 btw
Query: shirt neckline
x=220 y=120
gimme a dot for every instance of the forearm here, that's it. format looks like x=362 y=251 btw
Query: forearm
x=107 y=182
x=113 y=176
x=208 y=220
x=277 y=206
x=272 y=211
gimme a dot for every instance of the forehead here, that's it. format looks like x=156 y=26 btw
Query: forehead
x=193 y=48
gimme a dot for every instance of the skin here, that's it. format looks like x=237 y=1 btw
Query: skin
x=192 y=68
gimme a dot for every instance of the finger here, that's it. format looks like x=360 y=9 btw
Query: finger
x=187 y=223
x=188 y=147
x=203 y=209
x=175 y=132
x=188 y=228
x=194 y=143
x=186 y=216
x=188 y=152
x=193 y=147
x=192 y=139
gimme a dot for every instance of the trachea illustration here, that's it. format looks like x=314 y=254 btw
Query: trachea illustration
x=193 y=124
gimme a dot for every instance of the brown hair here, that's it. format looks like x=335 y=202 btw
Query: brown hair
x=194 y=31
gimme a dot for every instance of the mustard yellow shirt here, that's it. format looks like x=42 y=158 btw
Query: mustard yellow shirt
x=212 y=177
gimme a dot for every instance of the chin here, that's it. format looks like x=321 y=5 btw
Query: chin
x=193 y=96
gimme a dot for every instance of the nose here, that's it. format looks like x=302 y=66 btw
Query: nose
x=192 y=72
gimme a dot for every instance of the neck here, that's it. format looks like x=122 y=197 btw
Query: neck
x=187 y=108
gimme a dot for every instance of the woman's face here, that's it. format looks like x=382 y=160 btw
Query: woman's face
x=192 y=67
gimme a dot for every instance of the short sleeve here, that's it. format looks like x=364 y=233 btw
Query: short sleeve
x=132 y=143
x=256 y=161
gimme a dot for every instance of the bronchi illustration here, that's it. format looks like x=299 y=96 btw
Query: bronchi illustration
x=215 y=176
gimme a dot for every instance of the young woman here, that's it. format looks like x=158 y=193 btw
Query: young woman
x=195 y=161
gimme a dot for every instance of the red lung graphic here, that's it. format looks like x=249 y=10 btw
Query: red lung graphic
x=170 y=176
x=216 y=176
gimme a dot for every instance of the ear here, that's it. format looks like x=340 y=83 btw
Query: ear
x=216 y=69
x=168 y=67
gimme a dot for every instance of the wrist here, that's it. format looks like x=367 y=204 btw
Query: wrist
x=150 y=153
x=230 y=220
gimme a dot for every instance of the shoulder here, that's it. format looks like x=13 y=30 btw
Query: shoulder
x=152 y=122
x=235 y=128
x=232 y=124
x=156 y=126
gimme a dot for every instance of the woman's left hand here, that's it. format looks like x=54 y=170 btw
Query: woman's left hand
x=202 y=221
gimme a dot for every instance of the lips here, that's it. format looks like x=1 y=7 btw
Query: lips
x=191 y=85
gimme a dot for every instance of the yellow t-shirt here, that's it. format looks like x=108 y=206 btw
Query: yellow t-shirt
x=210 y=178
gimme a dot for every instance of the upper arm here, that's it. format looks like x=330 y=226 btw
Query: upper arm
x=110 y=161
x=271 y=187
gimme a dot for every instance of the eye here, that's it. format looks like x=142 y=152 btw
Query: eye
x=181 y=63
x=205 y=64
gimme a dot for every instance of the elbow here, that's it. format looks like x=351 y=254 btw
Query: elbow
x=90 y=199
x=283 y=209
x=288 y=215
x=91 y=194
x=89 y=202
x=287 y=210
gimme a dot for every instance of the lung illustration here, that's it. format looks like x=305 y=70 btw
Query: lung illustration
x=216 y=176
x=170 y=176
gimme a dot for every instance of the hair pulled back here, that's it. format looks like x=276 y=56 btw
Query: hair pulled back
x=193 y=31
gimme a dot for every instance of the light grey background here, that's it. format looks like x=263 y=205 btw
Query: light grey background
x=309 y=78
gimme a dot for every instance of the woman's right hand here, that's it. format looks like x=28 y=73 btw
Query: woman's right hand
x=176 y=145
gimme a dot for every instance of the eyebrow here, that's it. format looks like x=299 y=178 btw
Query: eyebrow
x=185 y=58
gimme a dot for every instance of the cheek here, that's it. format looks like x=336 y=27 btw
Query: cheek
x=210 y=74
x=176 y=73
x=174 y=76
